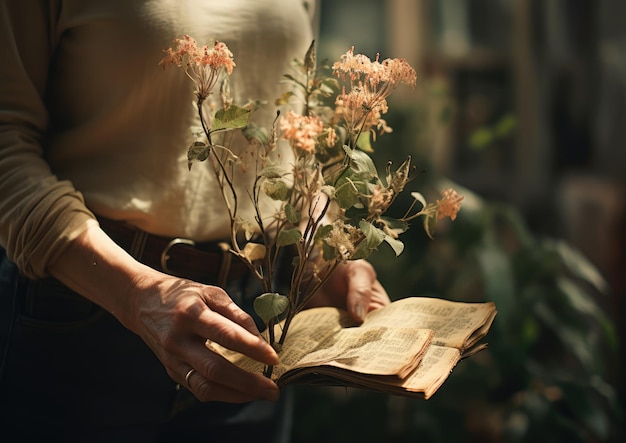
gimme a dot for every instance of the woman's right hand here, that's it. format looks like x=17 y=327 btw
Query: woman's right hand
x=173 y=316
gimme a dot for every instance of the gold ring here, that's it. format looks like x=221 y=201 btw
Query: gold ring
x=188 y=375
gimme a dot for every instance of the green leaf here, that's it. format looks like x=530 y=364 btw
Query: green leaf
x=198 y=152
x=292 y=214
x=578 y=298
x=329 y=252
x=284 y=98
x=481 y=139
x=346 y=193
x=276 y=189
x=373 y=236
x=395 y=244
x=361 y=252
x=322 y=232
x=364 y=142
x=288 y=237
x=578 y=264
x=585 y=304
x=395 y=225
x=505 y=126
x=254 y=132
x=270 y=305
x=575 y=340
x=234 y=117
x=588 y=409
x=498 y=280
x=361 y=161
x=351 y=186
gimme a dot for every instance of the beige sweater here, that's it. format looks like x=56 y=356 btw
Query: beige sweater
x=90 y=124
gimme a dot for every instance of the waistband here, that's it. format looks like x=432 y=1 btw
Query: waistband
x=204 y=262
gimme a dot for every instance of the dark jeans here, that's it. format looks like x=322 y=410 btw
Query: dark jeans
x=70 y=372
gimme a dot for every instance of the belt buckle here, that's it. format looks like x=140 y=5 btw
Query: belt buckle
x=225 y=264
x=170 y=245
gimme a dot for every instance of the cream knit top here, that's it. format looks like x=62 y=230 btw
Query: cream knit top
x=90 y=124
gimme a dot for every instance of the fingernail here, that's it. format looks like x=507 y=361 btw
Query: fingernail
x=359 y=310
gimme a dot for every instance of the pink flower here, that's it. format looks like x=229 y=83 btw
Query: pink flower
x=449 y=205
x=301 y=131
x=370 y=83
x=203 y=65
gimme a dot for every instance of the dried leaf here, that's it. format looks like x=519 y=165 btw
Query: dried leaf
x=254 y=251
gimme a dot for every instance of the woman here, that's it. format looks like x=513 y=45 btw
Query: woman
x=97 y=207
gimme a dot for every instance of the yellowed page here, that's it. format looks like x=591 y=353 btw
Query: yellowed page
x=456 y=324
x=371 y=350
x=432 y=371
x=308 y=329
x=327 y=336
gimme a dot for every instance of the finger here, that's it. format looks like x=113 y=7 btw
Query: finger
x=215 y=327
x=217 y=379
x=380 y=298
x=361 y=278
x=221 y=303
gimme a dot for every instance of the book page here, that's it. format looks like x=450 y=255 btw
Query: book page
x=327 y=336
x=308 y=329
x=433 y=370
x=456 y=324
x=371 y=350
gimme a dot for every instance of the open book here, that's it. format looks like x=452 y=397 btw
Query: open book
x=408 y=347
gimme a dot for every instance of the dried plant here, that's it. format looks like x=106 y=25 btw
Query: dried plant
x=329 y=200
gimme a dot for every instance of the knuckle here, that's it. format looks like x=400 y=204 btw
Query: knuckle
x=205 y=391
x=217 y=295
x=360 y=268
x=223 y=335
x=242 y=317
x=210 y=370
x=169 y=341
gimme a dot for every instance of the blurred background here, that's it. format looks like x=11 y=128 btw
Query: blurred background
x=521 y=105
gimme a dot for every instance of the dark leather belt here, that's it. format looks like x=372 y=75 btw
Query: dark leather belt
x=206 y=262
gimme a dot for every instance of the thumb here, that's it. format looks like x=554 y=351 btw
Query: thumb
x=361 y=278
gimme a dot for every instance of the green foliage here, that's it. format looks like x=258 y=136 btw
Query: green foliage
x=332 y=178
x=270 y=305
x=486 y=136
x=198 y=152
x=276 y=189
x=288 y=237
x=234 y=117
x=545 y=374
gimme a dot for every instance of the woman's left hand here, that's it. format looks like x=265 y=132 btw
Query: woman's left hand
x=352 y=286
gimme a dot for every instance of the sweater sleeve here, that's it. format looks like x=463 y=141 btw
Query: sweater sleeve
x=39 y=214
